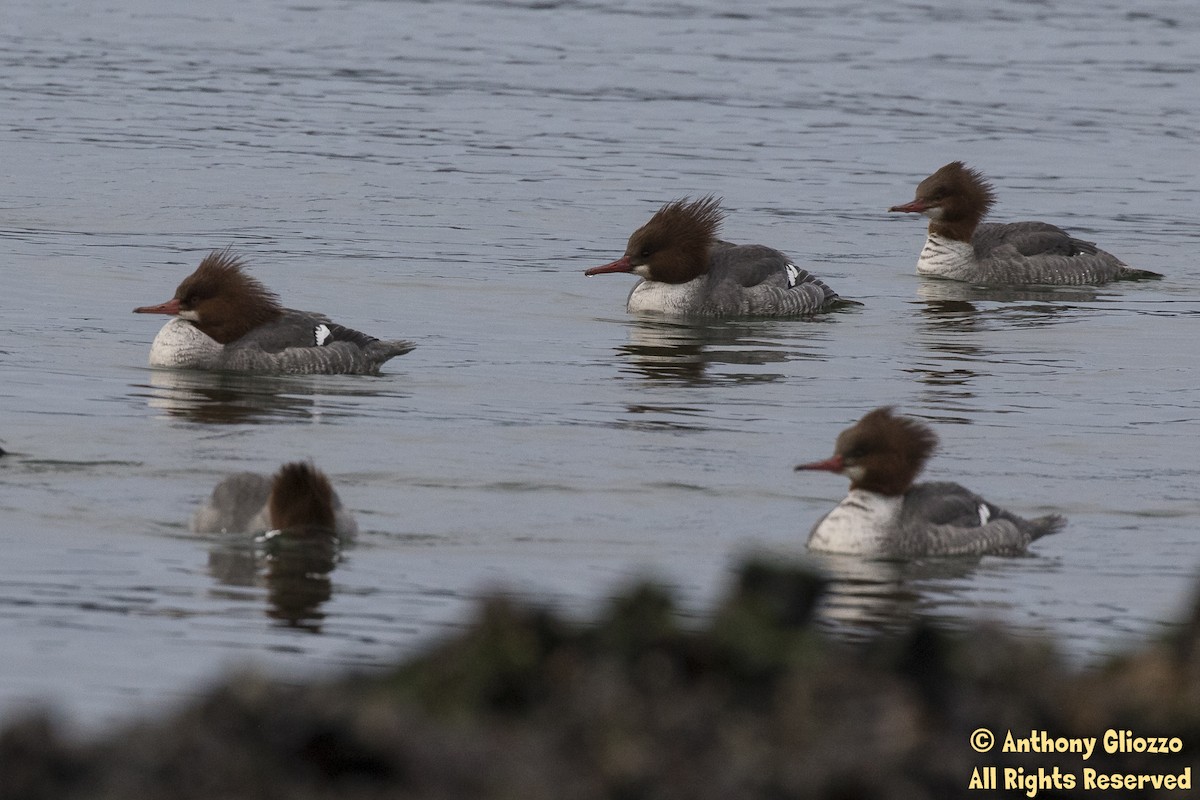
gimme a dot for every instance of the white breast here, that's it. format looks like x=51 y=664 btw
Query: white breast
x=946 y=258
x=860 y=524
x=667 y=298
x=181 y=344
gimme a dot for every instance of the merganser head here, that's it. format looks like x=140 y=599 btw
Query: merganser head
x=881 y=453
x=220 y=299
x=301 y=496
x=673 y=246
x=955 y=198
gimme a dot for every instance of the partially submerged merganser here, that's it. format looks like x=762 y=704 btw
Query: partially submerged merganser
x=687 y=270
x=886 y=514
x=227 y=320
x=961 y=248
x=298 y=496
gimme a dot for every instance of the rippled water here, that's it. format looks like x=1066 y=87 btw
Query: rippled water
x=445 y=172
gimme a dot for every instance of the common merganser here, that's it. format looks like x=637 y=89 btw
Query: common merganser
x=959 y=247
x=886 y=514
x=687 y=270
x=298 y=496
x=227 y=320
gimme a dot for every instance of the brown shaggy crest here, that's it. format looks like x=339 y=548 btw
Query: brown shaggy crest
x=890 y=449
x=964 y=196
x=301 y=496
x=677 y=238
x=247 y=302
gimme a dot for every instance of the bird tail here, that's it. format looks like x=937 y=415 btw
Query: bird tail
x=1129 y=273
x=1044 y=526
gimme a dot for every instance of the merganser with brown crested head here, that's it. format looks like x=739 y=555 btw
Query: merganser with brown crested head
x=961 y=247
x=886 y=514
x=227 y=320
x=687 y=271
x=299 y=496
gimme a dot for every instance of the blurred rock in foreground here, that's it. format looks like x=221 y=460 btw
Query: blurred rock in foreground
x=525 y=705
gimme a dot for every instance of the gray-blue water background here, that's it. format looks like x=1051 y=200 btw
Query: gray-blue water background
x=444 y=172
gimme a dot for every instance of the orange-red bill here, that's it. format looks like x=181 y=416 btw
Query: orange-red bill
x=916 y=207
x=169 y=307
x=622 y=264
x=833 y=464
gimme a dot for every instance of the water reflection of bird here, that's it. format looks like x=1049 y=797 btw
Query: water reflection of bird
x=715 y=351
x=957 y=320
x=218 y=398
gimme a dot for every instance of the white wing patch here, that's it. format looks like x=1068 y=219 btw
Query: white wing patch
x=793 y=272
x=321 y=333
x=984 y=514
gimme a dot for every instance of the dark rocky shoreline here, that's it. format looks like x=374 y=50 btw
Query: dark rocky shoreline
x=754 y=704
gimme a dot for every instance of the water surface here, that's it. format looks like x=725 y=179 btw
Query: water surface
x=444 y=172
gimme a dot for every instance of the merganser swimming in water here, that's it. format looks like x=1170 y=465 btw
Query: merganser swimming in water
x=959 y=247
x=299 y=496
x=687 y=270
x=886 y=514
x=227 y=320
